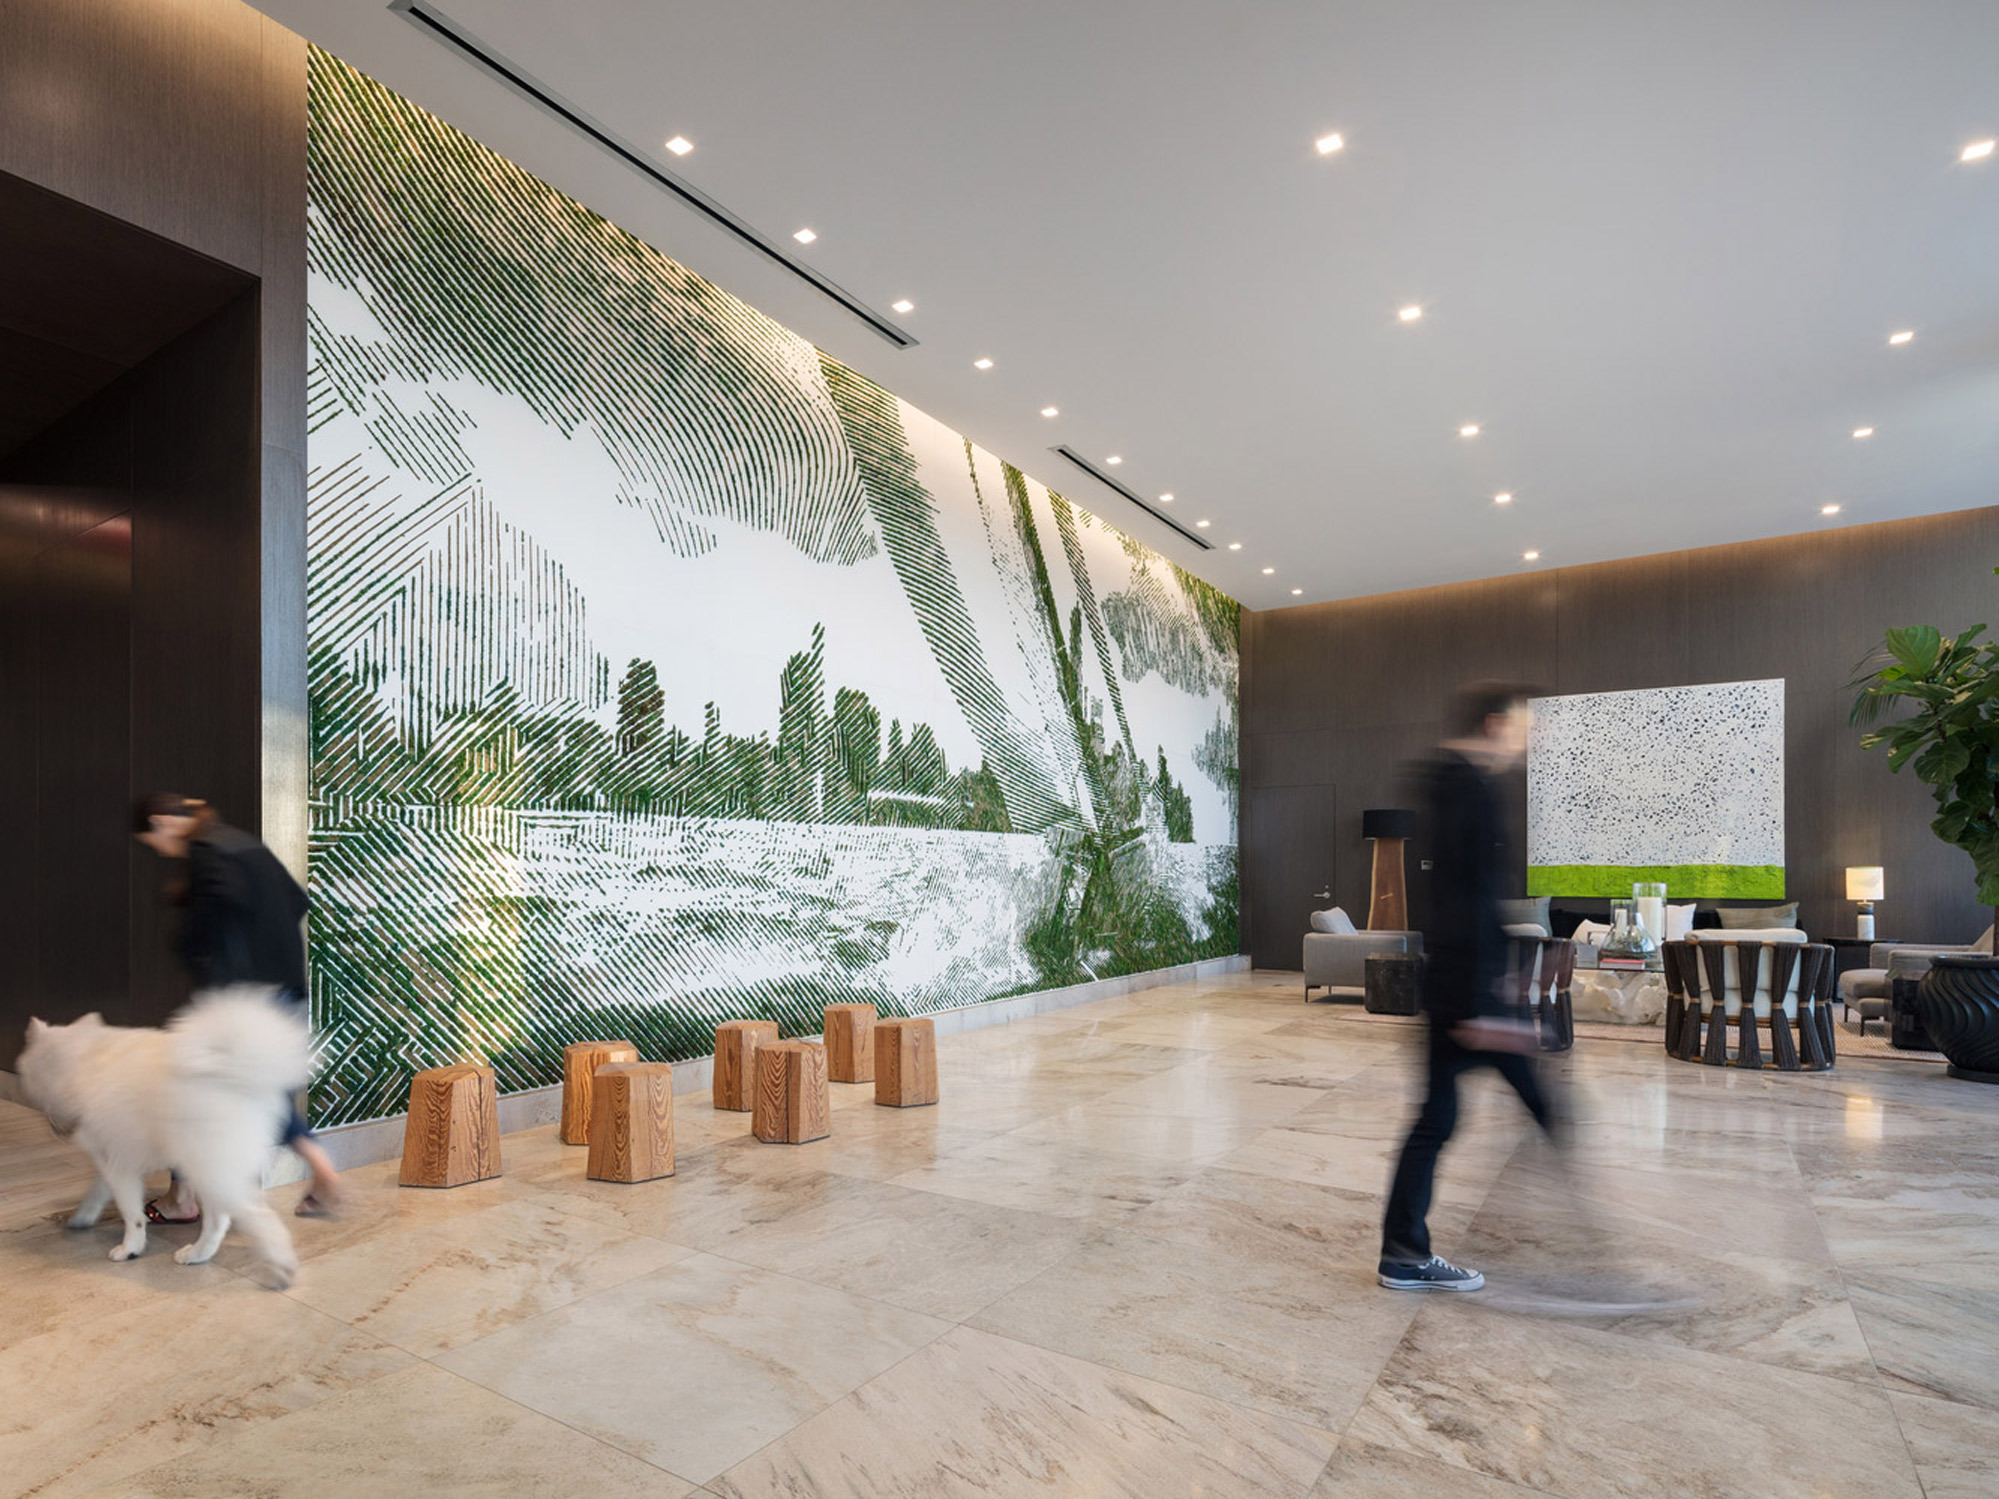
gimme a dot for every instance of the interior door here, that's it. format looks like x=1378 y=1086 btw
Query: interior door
x=1289 y=866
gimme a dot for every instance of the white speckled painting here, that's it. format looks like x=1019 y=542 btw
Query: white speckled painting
x=1680 y=784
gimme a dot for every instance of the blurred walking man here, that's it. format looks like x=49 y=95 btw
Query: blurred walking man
x=1472 y=1023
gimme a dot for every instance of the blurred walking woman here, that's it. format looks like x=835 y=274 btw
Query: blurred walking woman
x=241 y=926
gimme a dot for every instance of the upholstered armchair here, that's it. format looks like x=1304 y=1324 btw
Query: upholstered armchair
x=1336 y=959
x=1867 y=989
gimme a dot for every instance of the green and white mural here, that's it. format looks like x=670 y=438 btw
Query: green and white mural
x=666 y=671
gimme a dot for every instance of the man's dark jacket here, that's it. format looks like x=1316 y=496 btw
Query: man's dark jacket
x=243 y=914
x=1465 y=941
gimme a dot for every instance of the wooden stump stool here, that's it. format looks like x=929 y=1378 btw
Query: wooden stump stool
x=905 y=1063
x=736 y=1043
x=580 y=1061
x=792 y=1106
x=452 y=1135
x=850 y=1043
x=631 y=1122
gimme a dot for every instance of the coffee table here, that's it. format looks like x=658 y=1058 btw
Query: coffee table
x=1619 y=996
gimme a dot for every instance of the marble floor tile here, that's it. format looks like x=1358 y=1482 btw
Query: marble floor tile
x=1047 y=1425
x=931 y=1253
x=420 y=1431
x=1956 y=1447
x=1125 y=1128
x=1294 y=1340
x=1930 y=1338
x=89 y=1404
x=1282 y=1222
x=444 y=1284
x=1063 y=1181
x=57 y=1279
x=1361 y=1470
x=696 y=1366
x=1366 y=1164
x=1206 y=1091
x=1568 y=1409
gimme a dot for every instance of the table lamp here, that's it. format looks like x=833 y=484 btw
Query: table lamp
x=1388 y=895
x=1864 y=884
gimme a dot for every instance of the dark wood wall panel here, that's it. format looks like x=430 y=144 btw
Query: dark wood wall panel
x=184 y=119
x=1366 y=682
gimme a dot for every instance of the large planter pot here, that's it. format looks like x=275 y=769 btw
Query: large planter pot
x=1959 y=1004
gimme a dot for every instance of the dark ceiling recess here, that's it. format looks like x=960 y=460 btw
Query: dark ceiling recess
x=84 y=298
x=1108 y=482
x=433 y=22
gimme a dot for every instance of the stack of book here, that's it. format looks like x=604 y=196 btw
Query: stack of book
x=1627 y=964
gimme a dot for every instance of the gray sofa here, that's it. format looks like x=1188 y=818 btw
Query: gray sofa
x=1867 y=989
x=1337 y=961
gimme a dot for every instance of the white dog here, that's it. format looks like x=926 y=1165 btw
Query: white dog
x=206 y=1096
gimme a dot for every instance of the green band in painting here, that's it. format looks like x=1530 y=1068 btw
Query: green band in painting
x=1715 y=881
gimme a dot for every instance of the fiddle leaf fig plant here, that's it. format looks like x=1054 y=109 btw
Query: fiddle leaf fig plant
x=1950 y=739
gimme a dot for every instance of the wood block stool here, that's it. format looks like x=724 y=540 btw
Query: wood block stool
x=580 y=1061
x=452 y=1135
x=631 y=1122
x=792 y=1106
x=905 y=1063
x=736 y=1043
x=850 y=1043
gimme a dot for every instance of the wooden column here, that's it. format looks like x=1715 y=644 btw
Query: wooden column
x=735 y=1079
x=1388 y=897
x=792 y=1105
x=850 y=1043
x=905 y=1063
x=452 y=1135
x=580 y=1061
x=631 y=1122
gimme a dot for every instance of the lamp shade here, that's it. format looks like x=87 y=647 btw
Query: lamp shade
x=1387 y=822
x=1864 y=883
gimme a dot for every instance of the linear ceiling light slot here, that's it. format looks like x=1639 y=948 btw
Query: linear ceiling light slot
x=429 y=19
x=1065 y=451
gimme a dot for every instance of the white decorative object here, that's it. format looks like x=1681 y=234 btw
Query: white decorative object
x=1865 y=884
x=1680 y=784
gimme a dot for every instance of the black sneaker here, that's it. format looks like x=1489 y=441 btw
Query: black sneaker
x=1434 y=1274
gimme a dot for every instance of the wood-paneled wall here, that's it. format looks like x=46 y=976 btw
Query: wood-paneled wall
x=152 y=540
x=186 y=118
x=1339 y=698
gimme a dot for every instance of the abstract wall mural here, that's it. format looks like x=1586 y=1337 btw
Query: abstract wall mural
x=1680 y=784
x=665 y=670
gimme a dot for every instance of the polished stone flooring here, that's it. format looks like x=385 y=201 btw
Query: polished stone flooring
x=1130 y=1254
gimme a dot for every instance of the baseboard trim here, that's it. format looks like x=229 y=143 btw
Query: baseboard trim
x=375 y=1140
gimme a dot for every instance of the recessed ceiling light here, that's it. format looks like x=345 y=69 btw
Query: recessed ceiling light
x=1166 y=499
x=1863 y=431
x=1828 y=510
x=1469 y=429
x=1297 y=591
x=1328 y=144
x=1502 y=499
x=680 y=145
x=1268 y=571
x=1051 y=411
x=1235 y=546
x=1410 y=313
x=1201 y=525
x=982 y=364
x=1901 y=338
x=905 y=305
x=805 y=236
x=1977 y=151
x=1530 y=556
x=1114 y=459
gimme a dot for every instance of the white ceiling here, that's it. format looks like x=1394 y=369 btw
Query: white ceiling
x=1660 y=247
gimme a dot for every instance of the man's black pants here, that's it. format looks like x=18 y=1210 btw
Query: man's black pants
x=1405 y=1233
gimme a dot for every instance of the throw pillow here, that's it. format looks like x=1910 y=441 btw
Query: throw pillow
x=1748 y=918
x=1333 y=920
x=1679 y=921
x=1591 y=932
x=1532 y=911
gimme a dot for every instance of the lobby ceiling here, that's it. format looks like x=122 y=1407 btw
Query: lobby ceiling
x=1659 y=249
